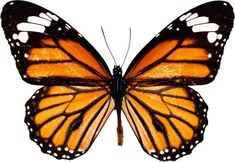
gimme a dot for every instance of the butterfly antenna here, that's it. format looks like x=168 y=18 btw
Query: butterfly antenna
x=128 y=47
x=108 y=46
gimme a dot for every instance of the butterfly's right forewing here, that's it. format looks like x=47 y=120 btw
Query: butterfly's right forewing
x=188 y=51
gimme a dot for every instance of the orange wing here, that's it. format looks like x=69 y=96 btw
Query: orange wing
x=188 y=51
x=168 y=117
x=167 y=121
x=65 y=120
x=173 y=59
x=66 y=59
x=48 y=50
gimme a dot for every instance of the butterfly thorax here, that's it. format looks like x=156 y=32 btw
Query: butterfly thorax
x=118 y=87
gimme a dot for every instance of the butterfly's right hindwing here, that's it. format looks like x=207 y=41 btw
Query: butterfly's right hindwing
x=167 y=121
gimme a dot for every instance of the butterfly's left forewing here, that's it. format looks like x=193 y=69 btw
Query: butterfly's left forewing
x=47 y=50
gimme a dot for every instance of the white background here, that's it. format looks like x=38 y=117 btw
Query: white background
x=146 y=18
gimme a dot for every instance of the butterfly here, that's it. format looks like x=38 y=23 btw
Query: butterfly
x=79 y=92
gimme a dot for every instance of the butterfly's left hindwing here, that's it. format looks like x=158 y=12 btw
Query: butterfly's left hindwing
x=47 y=50
x=65 y=120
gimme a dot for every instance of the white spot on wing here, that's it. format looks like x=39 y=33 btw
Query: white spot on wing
x=67 y=26
x=198 y=20
x=26 y=55
x=77 y=155
x=193 y=16
x=205 y=27
x=43 y=15
x=209 y=55
x=15 y=36
x=183 y=17
x=211 y=37
x=219 y=36
x=22 y=36
x=54 y=17
x=169 y=27
x=38 y=20
x=80 y=35
x=30 y=27
x=157 y=35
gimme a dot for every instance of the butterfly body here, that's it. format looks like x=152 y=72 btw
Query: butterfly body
x=117 y=89
x=65 y=116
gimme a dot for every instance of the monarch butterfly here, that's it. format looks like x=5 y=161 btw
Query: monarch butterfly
x=66 y=115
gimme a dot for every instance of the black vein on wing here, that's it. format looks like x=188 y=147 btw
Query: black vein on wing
x=149 y=109
x=145 y=69
x=92 y=70
x=72 y=113
x=176 y=130
x=144 y=125
x=99 y=127
x=133 y=123
x=163 y=131
x=90 y=123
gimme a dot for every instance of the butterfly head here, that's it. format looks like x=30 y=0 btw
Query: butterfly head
x=117 y=71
